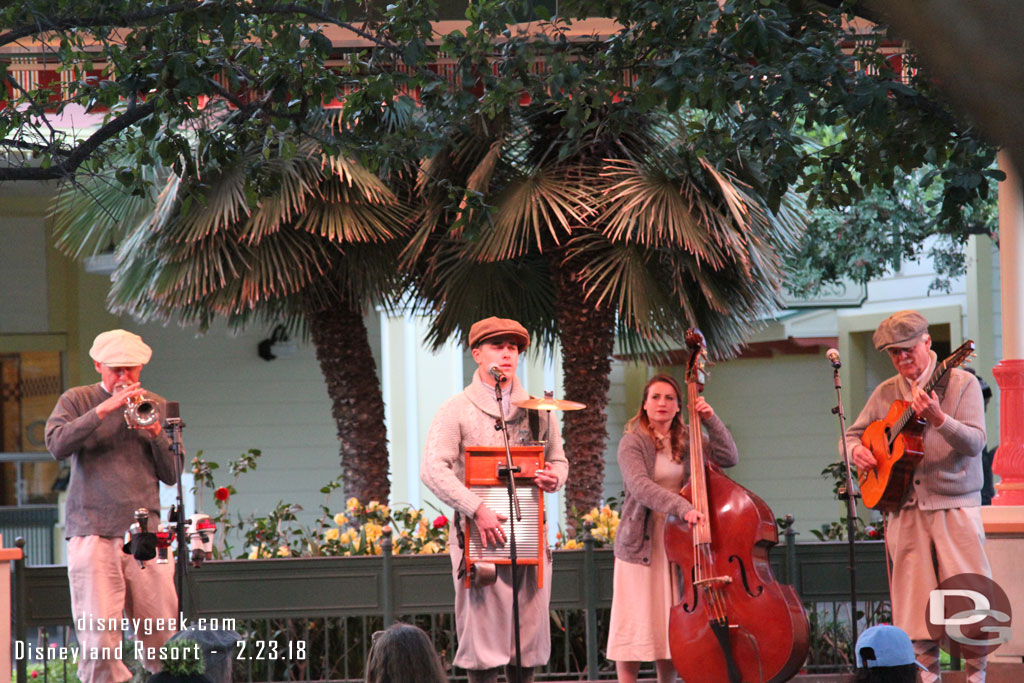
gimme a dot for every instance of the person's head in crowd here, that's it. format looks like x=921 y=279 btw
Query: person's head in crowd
x=403 y=653
x=885 y=655
x=986 y=390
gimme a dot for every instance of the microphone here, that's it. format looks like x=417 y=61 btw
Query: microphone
x=833 y=356
x=496 y=373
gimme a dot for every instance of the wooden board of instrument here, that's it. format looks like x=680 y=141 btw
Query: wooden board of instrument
x=483 y=477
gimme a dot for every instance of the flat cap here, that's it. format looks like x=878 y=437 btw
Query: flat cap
x=485 y=329
x=120 y=348
x=901 y=330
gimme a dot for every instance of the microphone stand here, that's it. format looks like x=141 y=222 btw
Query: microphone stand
x=515 y=514
x=847 y=492
x=174 y=427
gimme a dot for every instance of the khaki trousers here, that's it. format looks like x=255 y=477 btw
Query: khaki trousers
x=483 y=617
x=927 y=547
x=106 y=586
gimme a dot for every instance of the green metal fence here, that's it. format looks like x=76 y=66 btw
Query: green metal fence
x=329 y=606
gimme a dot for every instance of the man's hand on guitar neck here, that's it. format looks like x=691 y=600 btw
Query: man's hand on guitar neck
x=927 y=407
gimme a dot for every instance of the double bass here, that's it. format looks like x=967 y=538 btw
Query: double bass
x=734 y=622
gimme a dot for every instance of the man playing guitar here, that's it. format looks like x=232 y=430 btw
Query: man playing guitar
x=935 y=531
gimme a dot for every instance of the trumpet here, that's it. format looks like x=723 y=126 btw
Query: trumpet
x=140 y=412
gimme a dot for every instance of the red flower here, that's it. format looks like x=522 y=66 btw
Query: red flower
x=872 y=532
x=440 y=522
x=35 y=674
x=222 y=494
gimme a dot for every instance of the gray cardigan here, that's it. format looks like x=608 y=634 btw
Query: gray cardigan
x=949 y=475
x=637 y=455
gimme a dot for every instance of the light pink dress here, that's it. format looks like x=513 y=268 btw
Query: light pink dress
x=643 y=594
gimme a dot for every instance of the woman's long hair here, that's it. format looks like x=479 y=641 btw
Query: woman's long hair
x=403 y=654
x=640 y=424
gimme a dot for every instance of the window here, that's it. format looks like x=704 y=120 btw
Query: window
x=31 y=384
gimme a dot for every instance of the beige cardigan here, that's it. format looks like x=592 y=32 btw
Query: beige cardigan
x=467 y=419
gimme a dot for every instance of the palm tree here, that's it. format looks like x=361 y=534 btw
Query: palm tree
x=622 y=234
x=306 y=240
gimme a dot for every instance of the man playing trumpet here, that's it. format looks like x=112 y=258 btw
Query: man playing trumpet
x=115 y=467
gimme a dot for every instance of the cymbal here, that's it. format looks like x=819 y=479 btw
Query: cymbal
x=549 y=403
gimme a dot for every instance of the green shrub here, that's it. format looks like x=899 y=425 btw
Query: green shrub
x=182 y=657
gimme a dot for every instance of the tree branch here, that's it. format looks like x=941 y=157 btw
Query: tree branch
x=77 y=156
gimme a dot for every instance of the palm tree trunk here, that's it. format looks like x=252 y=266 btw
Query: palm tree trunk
x=587 y=336
x=346 y=360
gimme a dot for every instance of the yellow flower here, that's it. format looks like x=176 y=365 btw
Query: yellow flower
x=284 y=551
x=372 y=506
x=373 y=531
x=430 y=548
x=352 y=504
x=340 y=519
x=573 y=544
x=332 y=535
x=405 y=533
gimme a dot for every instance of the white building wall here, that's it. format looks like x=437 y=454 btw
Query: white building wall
x=779 y=413
x=23 y=302
x=233 y=400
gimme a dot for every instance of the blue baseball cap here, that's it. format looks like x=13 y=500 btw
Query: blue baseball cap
x=885 y=645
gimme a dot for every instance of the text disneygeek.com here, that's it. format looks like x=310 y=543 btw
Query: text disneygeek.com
x=145 y=627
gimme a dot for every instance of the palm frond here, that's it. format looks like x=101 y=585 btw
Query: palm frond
x=463 y=290
x=90 y=217
x=544 y=205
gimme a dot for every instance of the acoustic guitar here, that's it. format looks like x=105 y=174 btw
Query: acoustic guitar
x=895 y=441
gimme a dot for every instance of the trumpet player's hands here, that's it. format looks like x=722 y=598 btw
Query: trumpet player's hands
x=152 y=430
x=488 y=522
x=119 y=398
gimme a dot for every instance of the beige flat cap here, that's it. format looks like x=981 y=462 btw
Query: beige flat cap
x=900 y=330
x=120 y=348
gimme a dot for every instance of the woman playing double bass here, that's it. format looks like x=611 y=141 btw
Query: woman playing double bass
x=654 y=462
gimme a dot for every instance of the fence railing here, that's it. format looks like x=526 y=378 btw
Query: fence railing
x=332 y=604
x=34 y=523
